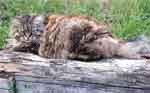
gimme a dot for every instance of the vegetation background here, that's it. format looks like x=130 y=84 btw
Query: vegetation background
x=126 y=18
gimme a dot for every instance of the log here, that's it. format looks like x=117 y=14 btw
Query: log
x=34 y=74
x=6 y=83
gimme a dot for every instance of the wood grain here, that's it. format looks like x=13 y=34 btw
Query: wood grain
x=34 y=74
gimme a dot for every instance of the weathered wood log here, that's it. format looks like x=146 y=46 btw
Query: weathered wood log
x=34 y=74
x=7 y=83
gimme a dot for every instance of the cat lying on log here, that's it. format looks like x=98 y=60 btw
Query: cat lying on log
x=69 y=37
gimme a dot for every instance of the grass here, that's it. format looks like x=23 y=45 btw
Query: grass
x=129 y=18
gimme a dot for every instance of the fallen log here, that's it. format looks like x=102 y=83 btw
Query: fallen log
x=34 y=74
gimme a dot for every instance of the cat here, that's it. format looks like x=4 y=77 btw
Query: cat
x=69 y=37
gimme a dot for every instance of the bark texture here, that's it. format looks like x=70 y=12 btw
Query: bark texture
x=33 y=74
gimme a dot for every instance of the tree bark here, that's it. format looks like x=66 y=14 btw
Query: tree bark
x=34 y=74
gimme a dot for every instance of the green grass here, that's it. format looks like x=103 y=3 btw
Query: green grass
x=129 y=18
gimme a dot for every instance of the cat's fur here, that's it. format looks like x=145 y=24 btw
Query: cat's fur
x=78 y=37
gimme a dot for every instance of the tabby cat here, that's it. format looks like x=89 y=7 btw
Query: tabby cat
x=68 y=37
